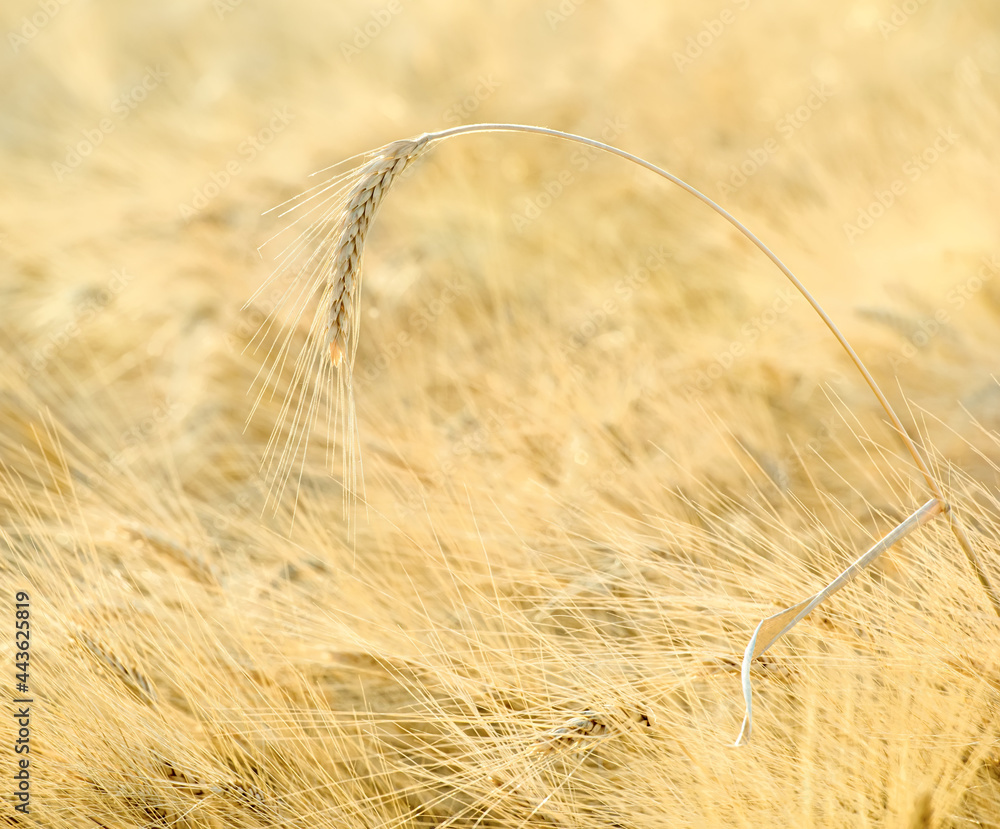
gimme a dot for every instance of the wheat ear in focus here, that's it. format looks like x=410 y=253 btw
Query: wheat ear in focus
x=344 y=283
x=332 y=221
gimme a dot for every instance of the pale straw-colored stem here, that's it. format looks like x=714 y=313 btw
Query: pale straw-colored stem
x=361 y=203
x=918 y=459
x=364 y=199
x=771 y=629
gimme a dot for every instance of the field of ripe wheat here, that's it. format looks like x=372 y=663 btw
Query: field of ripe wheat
x=463 y=514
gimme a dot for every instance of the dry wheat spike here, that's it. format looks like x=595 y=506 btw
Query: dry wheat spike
x=188 y=781
x=514 y=782
x=336 y=216
x=344 y=282
x=578 y=732
x=239 y=793
x=333 y=242
x=132 y=677
x=201 y=568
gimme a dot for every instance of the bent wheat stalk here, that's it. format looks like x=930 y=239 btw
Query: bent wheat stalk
x=334 y=269
x=774 y=627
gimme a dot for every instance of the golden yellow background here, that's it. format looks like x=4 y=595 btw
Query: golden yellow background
x=600 y=436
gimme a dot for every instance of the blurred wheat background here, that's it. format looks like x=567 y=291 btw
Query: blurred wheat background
x=600 y=437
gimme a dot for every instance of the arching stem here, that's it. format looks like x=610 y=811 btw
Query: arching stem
x=918 y=459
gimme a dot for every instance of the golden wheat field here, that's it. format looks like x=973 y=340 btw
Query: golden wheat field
x=598 y=435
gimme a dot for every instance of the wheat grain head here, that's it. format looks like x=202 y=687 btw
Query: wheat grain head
x=580 y=731
x=326 y=256
x=344 y=282
x=131 y=676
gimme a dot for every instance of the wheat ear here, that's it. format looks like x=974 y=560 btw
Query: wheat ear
x=581 y=731
x=363 y=200
x=326 y=256
x=131 y=676
x=242 y=793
